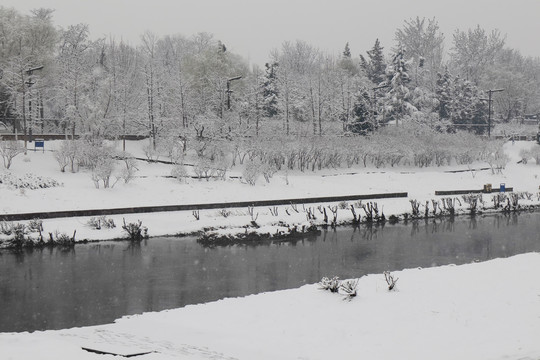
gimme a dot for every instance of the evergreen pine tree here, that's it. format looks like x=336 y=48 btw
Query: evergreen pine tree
x=346 y=62
x=467 y=107
x=347 y=51
x=375 y=68
x=362 y=123
x=397 y=101
x=443 y=93
x=269 y=90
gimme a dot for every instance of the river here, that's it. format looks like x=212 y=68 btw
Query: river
x=96 y=283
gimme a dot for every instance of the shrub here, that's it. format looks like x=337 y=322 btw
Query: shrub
x=130 y=167
x=525 y=155
x=225 y=213
x=498 y=200
x=68 y=154
x=268 y=171
x=343 y=205
x=19 y=231
x=348 y=288
x=252 y=172
x=390 y=280
x=204 y=168
x=101 y=222
x=472 y=201
x=9 y=150
x=102 y=171
x=6 y=227
x=28 y=181
x=62 y=239
x=35 y=225
x=535 y=154
x=136 y=231
x=179 y=172
x=151 y=153
x=330 y=284
x=173 y=147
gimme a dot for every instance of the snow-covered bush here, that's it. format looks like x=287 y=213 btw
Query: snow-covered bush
x=498 y=200
x=19 y=235
x=136 y=231
x=472 y=201
x=9 y=150
x=330 y=284
x=343 y=205
x=151 y=153
x=252 y=171
x=101 y=222
x=535 y=154
x=224 y=212
x=28 y=181
x=493 y=154
x=390 y=281
x=179 y=172
x=6 y=227
x=68 y=154
x=92 y=154
x=204 y=168
x=130 y=167
x=102 y=171
x=348 y=288
x=35 y=225
x=525 y=155
x=62 y=239
x=220 y=167
x=173 y=146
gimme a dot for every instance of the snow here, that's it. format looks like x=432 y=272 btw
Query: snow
x=486 y=310
x=152 y=188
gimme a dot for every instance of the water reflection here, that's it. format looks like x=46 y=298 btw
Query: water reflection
x=96 y=283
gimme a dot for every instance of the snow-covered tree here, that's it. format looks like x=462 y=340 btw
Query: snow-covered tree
x=269 y=90
x=396 y=103
x=363 y=121
x=374 y=65
x=26 y=48
x=473 y=51
x=424 y=45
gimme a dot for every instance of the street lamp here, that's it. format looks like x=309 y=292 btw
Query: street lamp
x=489 y=107
x=28 y=82
x=229 y=91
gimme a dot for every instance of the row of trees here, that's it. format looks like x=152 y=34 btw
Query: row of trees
x=196 y=89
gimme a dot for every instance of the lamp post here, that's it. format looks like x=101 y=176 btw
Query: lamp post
x=28 y=82
x=490 y=92
x=229 y=91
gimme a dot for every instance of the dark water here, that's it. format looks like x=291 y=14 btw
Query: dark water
x=97 y=283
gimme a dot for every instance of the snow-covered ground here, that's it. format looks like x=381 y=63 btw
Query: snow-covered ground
x=151 y=187
x=487 y=310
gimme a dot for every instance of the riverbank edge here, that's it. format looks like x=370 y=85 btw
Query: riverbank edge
x=246 y=234
x=279 y=229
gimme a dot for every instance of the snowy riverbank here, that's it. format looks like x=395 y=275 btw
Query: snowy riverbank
x=481 y=311
x=154 y=186
x=486 y=310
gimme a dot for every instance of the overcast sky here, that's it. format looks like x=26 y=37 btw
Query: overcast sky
x=251 y=28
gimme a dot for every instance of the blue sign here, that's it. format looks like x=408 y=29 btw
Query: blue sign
x=39 y=143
